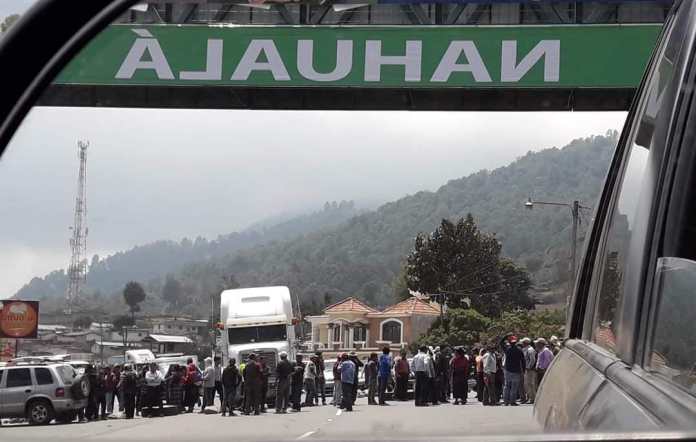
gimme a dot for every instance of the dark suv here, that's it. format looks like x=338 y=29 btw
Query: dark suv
x=630 y=361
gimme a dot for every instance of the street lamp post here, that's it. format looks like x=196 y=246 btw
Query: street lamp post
x=574 y=207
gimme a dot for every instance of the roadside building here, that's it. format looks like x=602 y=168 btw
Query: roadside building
x=168 y=344
x=351 y=324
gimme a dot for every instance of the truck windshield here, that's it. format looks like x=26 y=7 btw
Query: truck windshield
x=244 y=335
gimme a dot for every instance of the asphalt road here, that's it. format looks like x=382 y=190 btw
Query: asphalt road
x=401 y=420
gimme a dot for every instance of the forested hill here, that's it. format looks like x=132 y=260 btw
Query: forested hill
x=363 y=256
x=154 y=260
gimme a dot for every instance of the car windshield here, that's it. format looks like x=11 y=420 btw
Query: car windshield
x=265 y=333
x=459 y=201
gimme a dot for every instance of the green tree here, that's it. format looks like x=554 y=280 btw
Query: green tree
x=399 y=286
x=9 y=21
x=133 y=294
x=82 y=322
x=173 y=292
x=459 y=327
x=122 y=321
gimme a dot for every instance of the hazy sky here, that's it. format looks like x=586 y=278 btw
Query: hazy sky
x=166 y=174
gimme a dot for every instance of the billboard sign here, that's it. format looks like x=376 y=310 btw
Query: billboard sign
x=19 y=319
x=556 y=56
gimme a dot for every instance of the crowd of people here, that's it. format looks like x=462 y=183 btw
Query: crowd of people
x=509 y=370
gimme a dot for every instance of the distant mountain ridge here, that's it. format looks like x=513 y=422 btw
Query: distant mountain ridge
x=362 y=254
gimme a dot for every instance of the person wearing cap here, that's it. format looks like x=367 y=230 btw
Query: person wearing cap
x=513 y=368
x=348 y=372
x=544 y=358
x=253 y=379
x=530 y=385
x=283 y=372
x=321 y=381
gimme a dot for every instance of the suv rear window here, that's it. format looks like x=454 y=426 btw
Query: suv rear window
x=43 y=376
x=67 y=373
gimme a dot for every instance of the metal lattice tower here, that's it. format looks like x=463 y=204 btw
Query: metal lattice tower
x=77 y=271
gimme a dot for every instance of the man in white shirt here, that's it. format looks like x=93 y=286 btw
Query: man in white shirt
x=420 y=369
x=489 y=369
x=153 y=382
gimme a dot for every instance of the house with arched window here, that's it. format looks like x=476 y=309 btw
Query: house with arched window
x=351 y=324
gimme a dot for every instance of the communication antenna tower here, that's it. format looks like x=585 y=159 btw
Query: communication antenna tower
x=77 y=270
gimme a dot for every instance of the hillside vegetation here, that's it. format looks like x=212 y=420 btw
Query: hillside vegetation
x=363 y=255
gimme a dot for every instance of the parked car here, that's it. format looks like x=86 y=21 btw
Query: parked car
x=41 y=392
x=628 y=363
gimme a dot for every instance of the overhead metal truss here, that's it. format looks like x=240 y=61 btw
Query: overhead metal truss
x=399 y=12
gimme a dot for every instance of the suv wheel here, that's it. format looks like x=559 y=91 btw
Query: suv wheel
x=39 y=412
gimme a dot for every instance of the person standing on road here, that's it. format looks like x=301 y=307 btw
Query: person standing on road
x=253 y=383
x=217 y=360
x=128 y=387
x=230 y=380
x=371 y=378
x=530 y=375
x=338 y=391
x=489 y=364
x=480 y=383
x=109 y=388
x=310 y=382
x=385 y=367
x=544 y=358
x=116 y=378
x=402 y=371
x=190 y=385
x=460 y=376
x=432 y=391
x=208 y=384
x=174 y=387
x=265 y=374
x=421 y=377
x=296 y=384
x=358 y=364
x=348 y=372
x=513 y=368
x=321 y=381
x=283 y=373
x=153 y=388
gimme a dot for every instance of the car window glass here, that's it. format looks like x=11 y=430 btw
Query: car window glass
x=672 y=354
x=43 y=376
x=610 y=279
x=18 y=377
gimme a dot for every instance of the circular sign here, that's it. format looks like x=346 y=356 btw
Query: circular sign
x=18 y=319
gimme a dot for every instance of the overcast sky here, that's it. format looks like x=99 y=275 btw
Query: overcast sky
x=167 y=174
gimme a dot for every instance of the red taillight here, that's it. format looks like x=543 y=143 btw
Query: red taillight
x=60 y=392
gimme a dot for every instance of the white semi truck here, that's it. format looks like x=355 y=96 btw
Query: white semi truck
x=257 y=320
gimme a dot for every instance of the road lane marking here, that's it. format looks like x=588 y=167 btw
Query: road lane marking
x=307 y=434
x=338 y=412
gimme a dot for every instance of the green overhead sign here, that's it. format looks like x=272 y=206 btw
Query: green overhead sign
x=570 y=56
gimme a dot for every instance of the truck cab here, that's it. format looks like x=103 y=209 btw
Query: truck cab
x=257 y=320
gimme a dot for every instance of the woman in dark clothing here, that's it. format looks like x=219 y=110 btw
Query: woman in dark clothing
x=174 y=387
x=460 y=376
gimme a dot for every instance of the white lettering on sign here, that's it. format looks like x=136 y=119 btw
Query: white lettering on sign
x=134 y=60
x=374 y=60
x=305 y=61
x=213 y=64
x=510 y=71
x=448 y=63
x=250 y=61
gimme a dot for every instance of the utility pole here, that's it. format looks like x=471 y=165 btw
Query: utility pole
x=575 y=214
x=77 y=270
